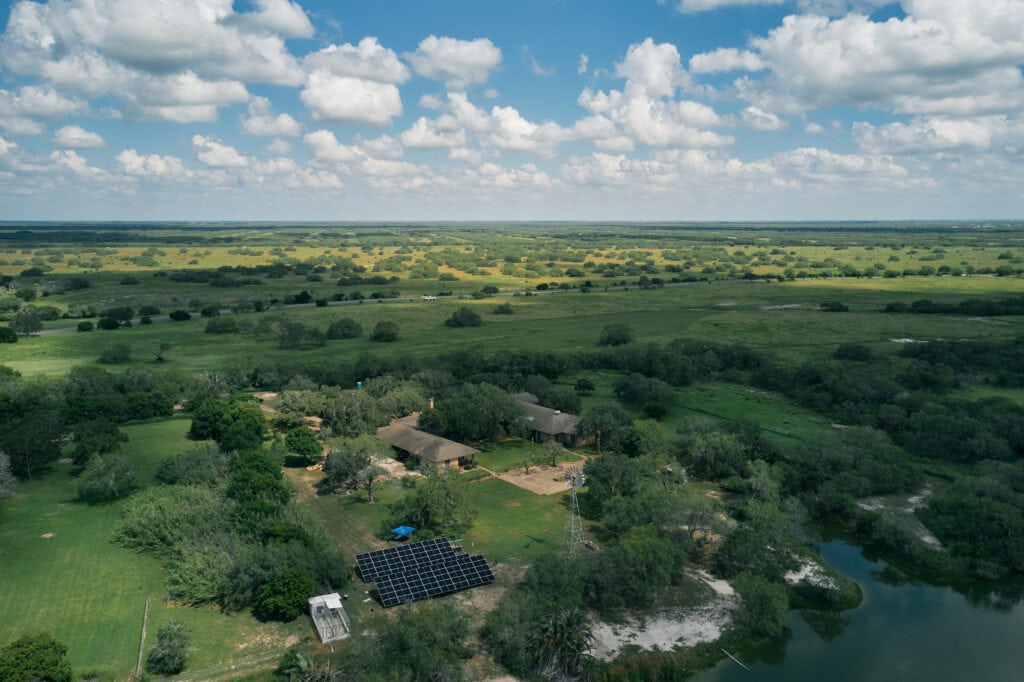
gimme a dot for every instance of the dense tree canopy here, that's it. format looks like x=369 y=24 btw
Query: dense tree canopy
x=475 y=412
x=35 y=658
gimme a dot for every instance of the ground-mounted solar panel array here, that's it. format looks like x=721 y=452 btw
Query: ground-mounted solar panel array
x=420 y=570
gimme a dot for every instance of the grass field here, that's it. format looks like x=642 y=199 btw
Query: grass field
x=502 y=457
x=90 y=593
x=781 y=319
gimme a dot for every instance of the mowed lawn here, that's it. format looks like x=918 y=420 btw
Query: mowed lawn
x=91 y=593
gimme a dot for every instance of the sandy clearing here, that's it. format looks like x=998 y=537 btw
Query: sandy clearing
x=811 y=572
x=543 y=479
x=670 y=628
x=665 y=630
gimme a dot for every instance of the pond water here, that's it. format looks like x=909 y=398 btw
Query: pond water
x=904 y=630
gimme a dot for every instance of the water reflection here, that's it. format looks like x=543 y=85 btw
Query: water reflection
x=907 y=629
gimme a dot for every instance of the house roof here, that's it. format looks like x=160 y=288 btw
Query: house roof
x=403 y=434
x=546 y=420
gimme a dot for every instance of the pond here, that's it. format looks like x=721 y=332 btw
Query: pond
x=904 y=630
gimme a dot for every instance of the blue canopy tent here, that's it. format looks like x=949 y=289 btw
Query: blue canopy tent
x=403 y=531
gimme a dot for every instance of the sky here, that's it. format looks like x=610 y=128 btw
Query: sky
x=463 y=110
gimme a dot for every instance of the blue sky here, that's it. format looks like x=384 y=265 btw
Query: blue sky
x=524 y=109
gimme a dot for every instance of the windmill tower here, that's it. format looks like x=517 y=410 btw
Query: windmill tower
x=574 y=480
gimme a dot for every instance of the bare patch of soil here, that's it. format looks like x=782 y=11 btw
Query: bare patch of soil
x=543 y=479
x=47 y=535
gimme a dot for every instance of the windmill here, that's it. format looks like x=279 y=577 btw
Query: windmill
x=574 y=480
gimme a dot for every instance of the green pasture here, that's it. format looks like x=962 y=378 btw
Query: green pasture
x=781 y=319
x=775 y=414
x=507 y=455
x=514 y=525
x=91 y=593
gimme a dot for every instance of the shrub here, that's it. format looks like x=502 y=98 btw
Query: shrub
x=180 y=315
x=149 y=309
x=284 y=597
x=616 y=335
x=210 y=311
x=129 y=280
x=116 y=354
x=107 y=477
x=170 y=651
x=385 y=331
x=463 y=317
x=8 y=335
x=503 y=309
x=221 y=325
x=145 y=319
x=108 y=323
x=345 y=328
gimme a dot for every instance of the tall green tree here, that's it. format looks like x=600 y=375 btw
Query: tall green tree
x=35 y=658
x=303 y=443
x=26 y=322
x=347 y=458
x=436 y=506
x=476 y=412
x=608 y=424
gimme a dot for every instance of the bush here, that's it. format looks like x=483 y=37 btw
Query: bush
x=463 y=317
x=129 y=280
x=221 y=325
x=107 y=477
x=116 y=354
x=853 y=351
x=616 y=335
x=149 y=310
x=8 y=335
x=284 y=597
x=503 y=309
x=210 y=311
x=385 y=331
x=180 y=315
x=108 y=323
x=345 y=328
x=170 y=651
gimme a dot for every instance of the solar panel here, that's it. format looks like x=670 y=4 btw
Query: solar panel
x=421 y=570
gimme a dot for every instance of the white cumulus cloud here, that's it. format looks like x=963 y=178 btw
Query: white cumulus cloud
x=368 y=60
x=76 y=137
x=217 y=154
x=262 y=122
x=343 y=99
x=458 y=63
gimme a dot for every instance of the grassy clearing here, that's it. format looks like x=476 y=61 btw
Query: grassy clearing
x=502 y=457
x=91 y=593
x=772 y=412
x=514 y=525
